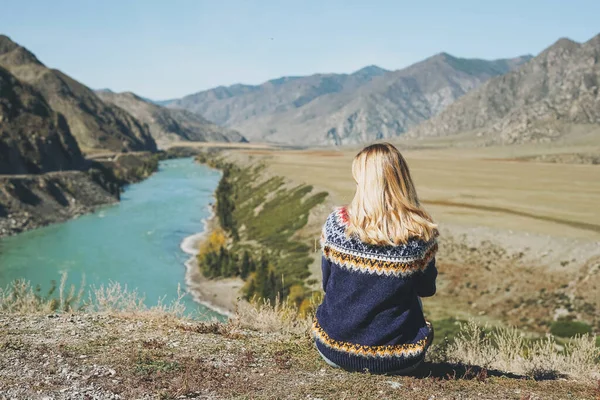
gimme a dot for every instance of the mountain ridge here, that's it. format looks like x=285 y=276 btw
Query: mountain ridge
x=169 y=125
x=536 y=102
x=94 y=124
x=368 y=104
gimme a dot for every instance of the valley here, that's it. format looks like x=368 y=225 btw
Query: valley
x=212 y=205
x=520 y=239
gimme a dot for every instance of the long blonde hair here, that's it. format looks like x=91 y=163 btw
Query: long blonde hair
x=385 y=209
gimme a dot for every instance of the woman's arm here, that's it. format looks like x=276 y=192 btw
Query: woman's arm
x=326 y=269
x=425 y=282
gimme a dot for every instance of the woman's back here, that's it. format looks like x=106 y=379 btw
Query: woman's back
x=371 y=317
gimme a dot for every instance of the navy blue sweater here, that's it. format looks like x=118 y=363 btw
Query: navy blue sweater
x=370 y=317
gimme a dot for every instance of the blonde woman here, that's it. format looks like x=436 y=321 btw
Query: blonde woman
x=378 y=260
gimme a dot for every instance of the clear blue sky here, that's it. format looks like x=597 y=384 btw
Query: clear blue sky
x=170 y=48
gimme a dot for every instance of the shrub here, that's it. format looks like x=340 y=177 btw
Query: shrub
x=446 y=328
x=565 y=328
x=506 y=349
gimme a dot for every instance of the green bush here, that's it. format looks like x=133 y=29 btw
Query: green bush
x=261 y=216
x=446 y=328
x=566 y=328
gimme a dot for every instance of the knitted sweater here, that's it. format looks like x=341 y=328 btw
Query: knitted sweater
x=371 y=317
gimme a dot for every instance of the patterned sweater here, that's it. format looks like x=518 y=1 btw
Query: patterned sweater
x=371 y=317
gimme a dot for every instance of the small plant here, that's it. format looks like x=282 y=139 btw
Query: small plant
x=146 y=364
x=21 y=297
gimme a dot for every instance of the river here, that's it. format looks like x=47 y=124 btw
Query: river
x=135 y=242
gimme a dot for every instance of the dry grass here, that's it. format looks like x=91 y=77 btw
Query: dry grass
x=470 y=186
x=128 y=349
x=20 y=297
x=503 y=349
x=506 y=349
x=262 y=316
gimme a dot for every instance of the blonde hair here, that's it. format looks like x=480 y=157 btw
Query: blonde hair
x=385 y=209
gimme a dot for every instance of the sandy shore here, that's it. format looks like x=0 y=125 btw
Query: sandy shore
x=220 y=295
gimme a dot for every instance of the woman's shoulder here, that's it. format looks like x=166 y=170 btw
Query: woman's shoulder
x=334 y=234
x=338 y=216
x=349 y=252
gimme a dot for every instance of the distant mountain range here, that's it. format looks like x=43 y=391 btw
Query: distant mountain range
x=48 y=119
x=369 y=104
x=536 y=102
x=170 y=125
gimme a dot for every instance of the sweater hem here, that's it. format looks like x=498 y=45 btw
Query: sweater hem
x=399 y=351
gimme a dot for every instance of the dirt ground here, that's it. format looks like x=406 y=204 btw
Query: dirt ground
x=145 y=356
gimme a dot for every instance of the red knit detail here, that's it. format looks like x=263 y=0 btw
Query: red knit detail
x=343 y=215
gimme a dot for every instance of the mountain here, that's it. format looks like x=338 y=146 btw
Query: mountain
x=94 y=124
x=170 y=125
x=537 y=101
x=369 y=104
x=33 y=137
x=233 y=105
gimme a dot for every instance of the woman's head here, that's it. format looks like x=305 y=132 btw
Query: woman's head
x=385 y=208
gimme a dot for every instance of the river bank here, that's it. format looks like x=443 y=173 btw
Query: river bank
x=31 y=201
x=220 y=295
x=260 y=238
x=135 y=243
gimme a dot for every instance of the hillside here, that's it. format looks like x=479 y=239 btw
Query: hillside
x=151 y=354
x=369 y=104
x=94 y=124
x=33 y=137
x=170 y=125
x=536 y=102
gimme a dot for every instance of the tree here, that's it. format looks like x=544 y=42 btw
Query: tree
x=261 y=281
x=245 y=266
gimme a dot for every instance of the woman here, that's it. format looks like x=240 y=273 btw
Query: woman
x=378 y=260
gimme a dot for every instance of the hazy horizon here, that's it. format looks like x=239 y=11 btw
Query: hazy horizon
x=168 y=50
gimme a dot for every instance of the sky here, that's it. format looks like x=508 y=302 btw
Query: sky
x=168 y=49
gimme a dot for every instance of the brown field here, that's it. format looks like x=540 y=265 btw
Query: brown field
x=520 y=239
x=472 y=186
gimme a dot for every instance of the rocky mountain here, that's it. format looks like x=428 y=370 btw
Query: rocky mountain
x=33 y=137
x=369 y=104
x=234 y=105
x=94 y=124
x=536 y=102
x=170 y=125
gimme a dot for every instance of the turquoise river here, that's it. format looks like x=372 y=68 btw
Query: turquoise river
x=136 y=242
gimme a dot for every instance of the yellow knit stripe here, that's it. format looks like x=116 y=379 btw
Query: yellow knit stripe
x=352 y=261
x=399 y=350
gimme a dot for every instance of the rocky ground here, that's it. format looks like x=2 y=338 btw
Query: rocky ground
x=34 y=200
x=151 y=356
x=31 y=201
x=521 y=279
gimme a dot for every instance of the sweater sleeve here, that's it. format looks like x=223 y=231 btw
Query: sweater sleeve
x=326 y=269
x=425 y=282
